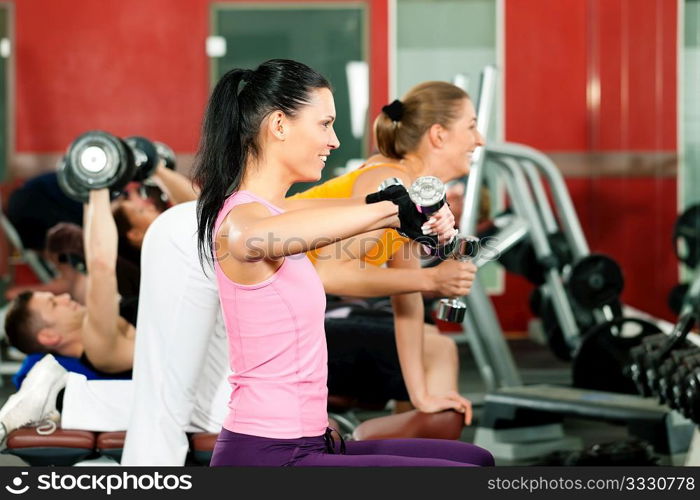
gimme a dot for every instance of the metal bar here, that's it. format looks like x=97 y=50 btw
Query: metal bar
x=484 y=109
x=565 y=208
x=525 y=206
x=545 y=209
x=486 y=326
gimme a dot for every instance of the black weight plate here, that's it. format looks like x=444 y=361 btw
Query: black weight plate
x=557 y=343
x=676 y=297
x=167 y=154
x=145 y=157
x=510 y=259
x=604 y=354
x=128 y=169
x=529 y=266
x=585 y=320
x=65 y=183
x=94 y=160
x=686 y=236
x=553 y=331
x=560 y=248
x=596 y=280
x=523 y=260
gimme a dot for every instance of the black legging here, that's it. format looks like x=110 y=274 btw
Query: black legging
x=362 y=359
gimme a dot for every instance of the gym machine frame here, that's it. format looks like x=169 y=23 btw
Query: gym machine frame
x=520 y=165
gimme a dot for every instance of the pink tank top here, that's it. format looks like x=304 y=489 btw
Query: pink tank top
x=277 y=346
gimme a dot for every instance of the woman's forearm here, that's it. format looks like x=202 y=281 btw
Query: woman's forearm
x=357 y=278
x=408 y=325
x=298 y=231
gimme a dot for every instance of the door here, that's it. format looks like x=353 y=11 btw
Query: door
x=329 y=37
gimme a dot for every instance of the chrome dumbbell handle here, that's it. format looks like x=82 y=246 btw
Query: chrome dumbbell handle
x=451 y=310
x=428 y=194
x=454 y=309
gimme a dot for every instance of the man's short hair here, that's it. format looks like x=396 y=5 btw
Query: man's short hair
x=22 y=325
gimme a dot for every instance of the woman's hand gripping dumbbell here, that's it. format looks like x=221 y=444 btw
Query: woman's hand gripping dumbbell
x=453 y=309
x=423 y=213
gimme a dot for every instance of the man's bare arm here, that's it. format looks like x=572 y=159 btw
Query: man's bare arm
x=175 y=185
x=105 y=345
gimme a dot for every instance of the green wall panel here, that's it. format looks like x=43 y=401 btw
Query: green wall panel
x=256 y=34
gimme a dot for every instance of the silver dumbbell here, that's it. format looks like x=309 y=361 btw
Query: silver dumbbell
x=454 y=309
x=428 y=193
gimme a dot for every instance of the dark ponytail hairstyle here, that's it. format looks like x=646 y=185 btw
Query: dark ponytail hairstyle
x=231 y=127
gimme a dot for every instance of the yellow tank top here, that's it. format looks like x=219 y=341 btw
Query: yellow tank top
x=342 y=187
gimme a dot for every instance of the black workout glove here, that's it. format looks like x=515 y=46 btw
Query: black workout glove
x=410 y=218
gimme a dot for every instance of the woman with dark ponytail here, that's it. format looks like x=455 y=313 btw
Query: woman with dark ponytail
x=263 y=131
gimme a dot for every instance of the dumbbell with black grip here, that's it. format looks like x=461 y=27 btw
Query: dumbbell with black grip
x=429 y=195
x=416 y=204
x=453 y=309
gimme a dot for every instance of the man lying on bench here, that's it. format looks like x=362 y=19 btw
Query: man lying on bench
x=95 y=333
x=87 y=334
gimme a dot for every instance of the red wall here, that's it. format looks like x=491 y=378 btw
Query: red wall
x=545 y=72
x=636 y=54
x=557 y=52
x=127 y=66
x=139 y=67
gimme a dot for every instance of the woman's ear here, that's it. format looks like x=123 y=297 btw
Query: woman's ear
x=277 y=125
x=436 y=135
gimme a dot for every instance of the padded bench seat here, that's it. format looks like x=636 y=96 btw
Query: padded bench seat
x=62 y=447
x=111 y=444
x=412 y=424
x=67 y=447
x=202 y=446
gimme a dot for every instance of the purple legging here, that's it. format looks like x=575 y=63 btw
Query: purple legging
x=233 y=449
